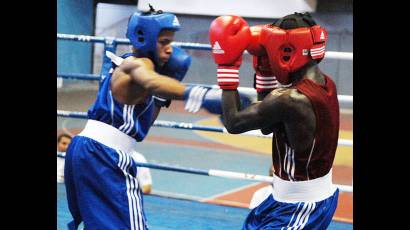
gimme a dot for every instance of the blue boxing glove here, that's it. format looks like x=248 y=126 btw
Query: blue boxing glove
x=210 y=99
x=202 y=96
x=176 y=67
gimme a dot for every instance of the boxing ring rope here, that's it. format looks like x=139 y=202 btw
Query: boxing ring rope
x=191 y=126
x=247 y=90
x=185 y=45
x=218 y=173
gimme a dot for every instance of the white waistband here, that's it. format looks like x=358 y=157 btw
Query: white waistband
x=303 y=191
x=109 y=136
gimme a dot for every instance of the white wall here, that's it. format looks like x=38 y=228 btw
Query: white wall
x=110 y=21
x=108 y=16
x=244 y=8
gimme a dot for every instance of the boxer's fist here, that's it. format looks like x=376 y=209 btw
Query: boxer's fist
x=255 y=47
x=229 y=37
x=178 y=64
x=176 y=67
x=197 y=97
x=264 y=78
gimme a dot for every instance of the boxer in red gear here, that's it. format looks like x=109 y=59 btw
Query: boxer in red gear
x=303 y=117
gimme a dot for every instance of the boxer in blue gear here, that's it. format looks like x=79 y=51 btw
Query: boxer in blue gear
x=100 y=175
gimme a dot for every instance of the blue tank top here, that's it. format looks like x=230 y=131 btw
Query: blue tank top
x=133 y=120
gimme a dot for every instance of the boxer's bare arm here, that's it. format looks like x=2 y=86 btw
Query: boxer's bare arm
x=271 y=110
x=140 y=71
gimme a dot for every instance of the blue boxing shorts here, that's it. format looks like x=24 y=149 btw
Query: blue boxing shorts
x=101 y=180
x=302 y=207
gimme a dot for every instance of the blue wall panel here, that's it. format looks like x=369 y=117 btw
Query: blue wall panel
x=74 y=17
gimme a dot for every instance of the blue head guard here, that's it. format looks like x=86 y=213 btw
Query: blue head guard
x=143 y=30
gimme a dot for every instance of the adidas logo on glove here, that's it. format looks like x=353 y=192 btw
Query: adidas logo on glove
x=322 y=36
x=216 y=48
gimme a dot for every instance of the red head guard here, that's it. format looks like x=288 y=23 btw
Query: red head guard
x=290 y=49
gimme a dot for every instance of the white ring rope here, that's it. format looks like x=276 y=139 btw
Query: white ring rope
x=186 y=45
x=245 y=90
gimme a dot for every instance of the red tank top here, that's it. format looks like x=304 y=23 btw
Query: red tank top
x=317 y=160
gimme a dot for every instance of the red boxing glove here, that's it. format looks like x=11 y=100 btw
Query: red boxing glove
x=264 y=79
x=229 y=37
x=255 y=47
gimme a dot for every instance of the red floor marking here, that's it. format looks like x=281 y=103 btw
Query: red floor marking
x=342 y=174
x=346 y=122
x=243 y=196
x=344 y=210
